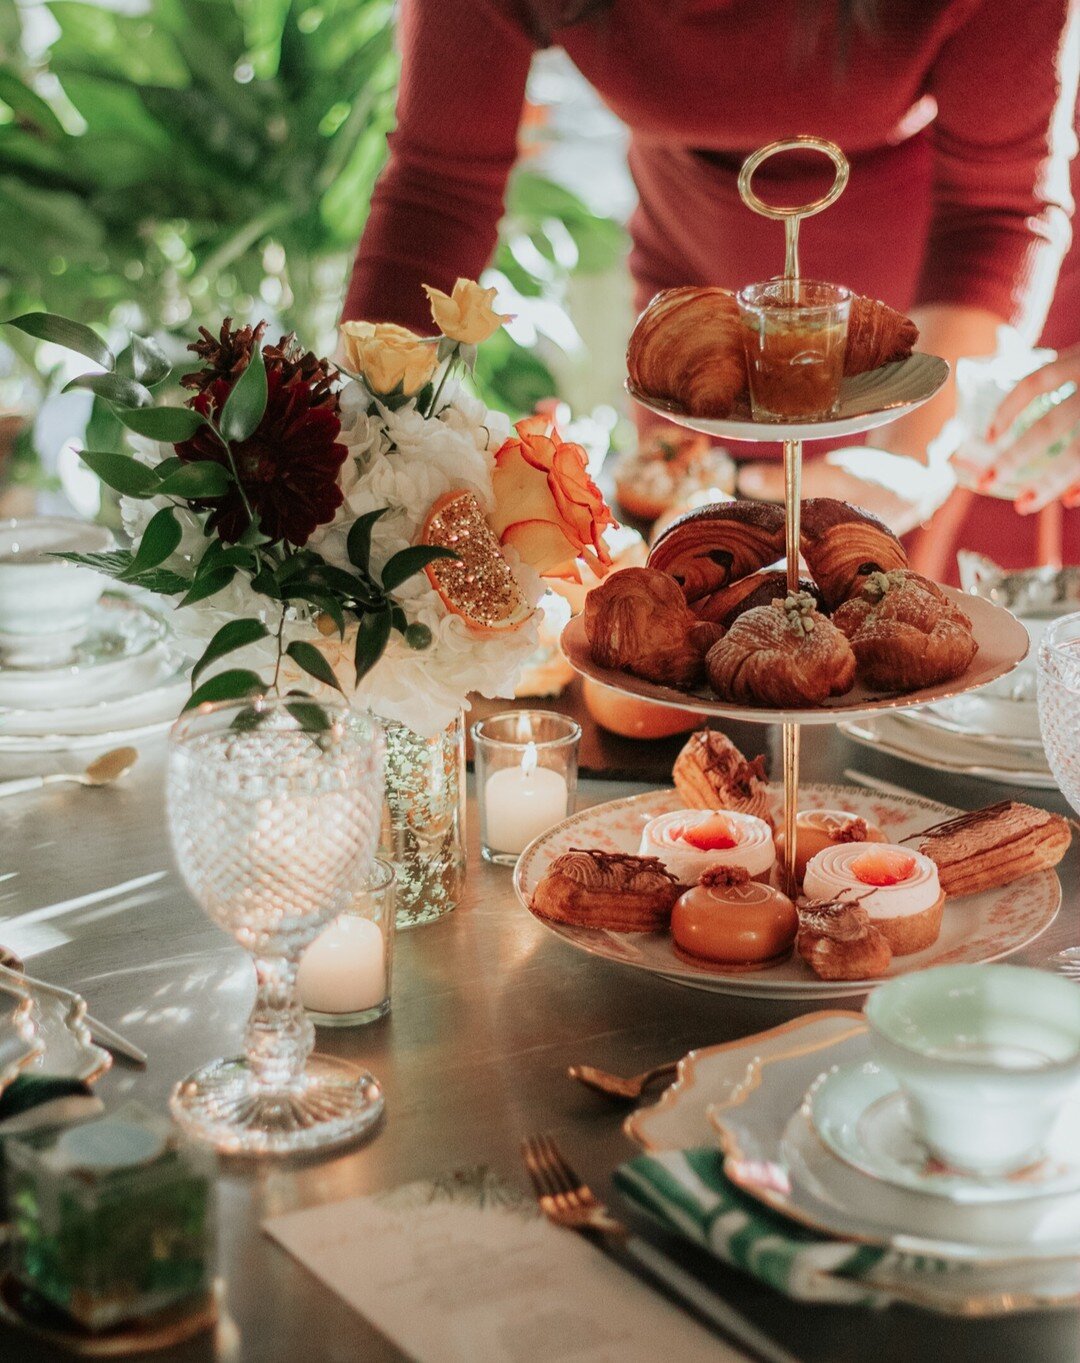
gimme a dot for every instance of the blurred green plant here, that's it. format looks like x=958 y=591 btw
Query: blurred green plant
x=162 y=169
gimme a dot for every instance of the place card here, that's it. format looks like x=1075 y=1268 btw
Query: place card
x=465 y=1268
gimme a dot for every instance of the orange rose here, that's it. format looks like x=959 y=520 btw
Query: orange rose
x=546 y=505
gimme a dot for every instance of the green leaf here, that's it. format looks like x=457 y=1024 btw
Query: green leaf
x=160 y=538
x=149 y=363
x=236 y=634
x=208 y=585
x=197 y=481
x=358 y=545
x=161 y=581
x=50 y=326
x=113 y=388
x=234 y=684
x=122 y=473
x=314 y=664
x=309 y=714
x=406 y=562
x=372 y=636
x=170 y=424
x=246 y=403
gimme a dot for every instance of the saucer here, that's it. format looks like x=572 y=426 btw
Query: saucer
x=861 y=1114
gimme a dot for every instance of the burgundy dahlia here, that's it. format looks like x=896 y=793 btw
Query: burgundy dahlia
x=288 y=466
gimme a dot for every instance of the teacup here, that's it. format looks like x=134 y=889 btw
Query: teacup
x=46 y=603
x=985 y=1054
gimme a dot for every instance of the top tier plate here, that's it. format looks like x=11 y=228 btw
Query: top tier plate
x=866 y=401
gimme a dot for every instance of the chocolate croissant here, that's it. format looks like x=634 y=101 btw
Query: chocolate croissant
x=714 y=545
x=786 y=654
x=759 y=589
x=637 y=620
x=905 y=632
x=877 y=335
x=840 y=543
x=686 y=348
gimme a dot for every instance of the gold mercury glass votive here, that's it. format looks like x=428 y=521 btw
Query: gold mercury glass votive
x=795 y=336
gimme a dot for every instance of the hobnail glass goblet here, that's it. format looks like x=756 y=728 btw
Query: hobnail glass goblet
x=274 y=808
x=1059 y=703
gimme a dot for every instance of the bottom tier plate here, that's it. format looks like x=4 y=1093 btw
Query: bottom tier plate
x=975 y=928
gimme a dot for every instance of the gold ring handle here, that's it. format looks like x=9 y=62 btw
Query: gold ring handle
x=791 y=215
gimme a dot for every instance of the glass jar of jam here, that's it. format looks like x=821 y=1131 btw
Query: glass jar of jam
x=795 y=336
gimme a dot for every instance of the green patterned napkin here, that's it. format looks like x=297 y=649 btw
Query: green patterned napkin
x=687 y=1192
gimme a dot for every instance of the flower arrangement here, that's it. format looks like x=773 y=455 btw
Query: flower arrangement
x=371 y=528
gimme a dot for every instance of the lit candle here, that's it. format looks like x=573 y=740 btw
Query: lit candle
x=522 y=802
x=344 y=969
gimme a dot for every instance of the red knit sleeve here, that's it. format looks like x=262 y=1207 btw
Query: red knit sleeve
x=436 y=207
x=1005 y=85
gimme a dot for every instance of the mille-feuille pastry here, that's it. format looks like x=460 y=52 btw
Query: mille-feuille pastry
x=838 y=941
x=690 y=841
x=594 y=889
x=816 y=829
x=711 y=773
x=637 y=620
x=786 y=654
x=669 y=468
x=840 y=543
x=759 y=589
x=898 y=888
x=708 y=548
x=905 y=632
x=877 y=335
x=687 y=348
x=995 y=846
x=729 y=920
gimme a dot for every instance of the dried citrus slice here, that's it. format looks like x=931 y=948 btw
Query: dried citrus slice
x=479 y=585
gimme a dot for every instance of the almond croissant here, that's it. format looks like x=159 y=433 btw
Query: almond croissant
x=637 y=620
x=877 y=335
x=686 y=348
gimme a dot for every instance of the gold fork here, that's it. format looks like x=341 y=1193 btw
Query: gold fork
x=568 y=1201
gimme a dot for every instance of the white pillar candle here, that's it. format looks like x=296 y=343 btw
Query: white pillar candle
x=344 y=969
x=522 y=802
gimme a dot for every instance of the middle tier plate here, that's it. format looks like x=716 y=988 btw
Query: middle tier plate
x=1002 y=640
x=975 y=928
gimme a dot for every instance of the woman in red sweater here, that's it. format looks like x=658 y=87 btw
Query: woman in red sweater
x=956 y=115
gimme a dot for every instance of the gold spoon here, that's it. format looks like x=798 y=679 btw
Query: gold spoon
x=625 y=1090
x=102 y=771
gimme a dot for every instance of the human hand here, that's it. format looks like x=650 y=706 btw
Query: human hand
x=1045 y=459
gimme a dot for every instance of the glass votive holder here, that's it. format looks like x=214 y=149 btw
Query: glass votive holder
x=526 y=778
x=795 y=337
x=344 y=976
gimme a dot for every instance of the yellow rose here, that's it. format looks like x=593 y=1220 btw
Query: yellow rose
x=466 y=315
x=388 y=357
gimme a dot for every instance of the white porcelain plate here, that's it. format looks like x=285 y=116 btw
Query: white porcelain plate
x=909 y=737
x=866 y=401
x=1002 y=640
x=975 y=928
x=861 y=1114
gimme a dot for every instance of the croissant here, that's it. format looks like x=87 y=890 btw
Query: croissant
x=877 y=335
x=759 y=589
x=905 y=632
x=686 y=348
x=714 y=545
x=786 y=654
x=637 y=620
x=840 y=542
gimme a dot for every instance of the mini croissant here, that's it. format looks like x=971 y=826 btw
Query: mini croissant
x=877 y=335
x=637 y=620
x=687 y=348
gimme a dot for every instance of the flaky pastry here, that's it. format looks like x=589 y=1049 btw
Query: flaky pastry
x=687 y=348
x=995 y=846
x=840 y=542
x=594 y=889
x=711 y=773
x=838 y=942
x=714 y=545
x=637 y=620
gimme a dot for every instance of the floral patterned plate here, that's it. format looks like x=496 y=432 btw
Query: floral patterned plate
x=981 y=927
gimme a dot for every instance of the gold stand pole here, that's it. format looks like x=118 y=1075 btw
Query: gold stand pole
x=792 y=508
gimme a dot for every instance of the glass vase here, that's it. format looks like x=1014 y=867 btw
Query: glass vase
x=423 y=829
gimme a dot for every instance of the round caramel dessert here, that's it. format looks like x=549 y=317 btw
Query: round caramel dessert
x=816 y=829
x=594 y=889
x=898 y=888
x=692 y=841
x=728 y=919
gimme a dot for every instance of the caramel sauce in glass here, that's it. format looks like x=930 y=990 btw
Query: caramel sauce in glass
x=795 y=337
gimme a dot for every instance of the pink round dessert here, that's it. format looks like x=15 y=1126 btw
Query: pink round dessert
x=691 y=841
x=898 y=888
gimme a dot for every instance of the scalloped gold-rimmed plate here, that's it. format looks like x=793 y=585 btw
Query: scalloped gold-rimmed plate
x=1002 y=639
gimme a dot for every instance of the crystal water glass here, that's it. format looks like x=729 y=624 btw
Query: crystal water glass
x=274 y=808
x=1059 y=703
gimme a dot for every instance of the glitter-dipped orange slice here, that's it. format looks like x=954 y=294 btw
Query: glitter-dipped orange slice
x=479 y=585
